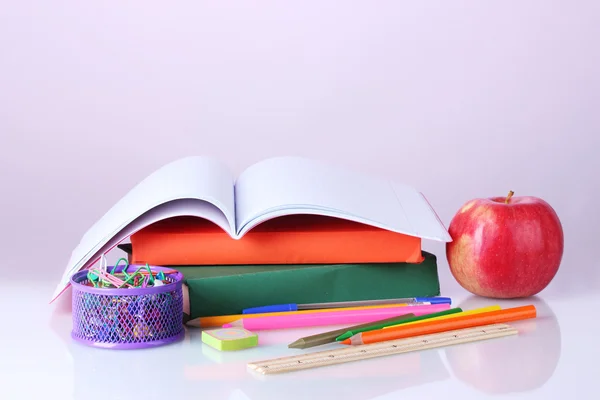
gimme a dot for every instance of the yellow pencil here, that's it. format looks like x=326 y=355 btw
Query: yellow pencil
x=460 y=314
x=218 y=321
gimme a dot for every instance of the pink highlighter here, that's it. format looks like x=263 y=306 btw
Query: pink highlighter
x=346 y=317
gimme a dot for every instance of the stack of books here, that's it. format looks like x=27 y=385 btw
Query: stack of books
x=287 y=230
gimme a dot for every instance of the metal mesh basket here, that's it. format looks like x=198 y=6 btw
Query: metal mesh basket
x=127 y=318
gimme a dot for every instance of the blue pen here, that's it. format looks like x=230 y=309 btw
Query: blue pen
x=343 y=304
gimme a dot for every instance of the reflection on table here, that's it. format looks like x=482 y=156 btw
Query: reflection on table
x=506 y=365
x=514 y=364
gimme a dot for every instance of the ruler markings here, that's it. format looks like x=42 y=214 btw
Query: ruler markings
x=362 y=352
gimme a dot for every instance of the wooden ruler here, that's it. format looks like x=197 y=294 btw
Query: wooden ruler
x=362 y=352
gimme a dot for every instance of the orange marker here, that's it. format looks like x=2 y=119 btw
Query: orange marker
x=449 y=316
x=429 y=327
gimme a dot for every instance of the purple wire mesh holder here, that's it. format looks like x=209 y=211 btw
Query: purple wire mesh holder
x=127 y=318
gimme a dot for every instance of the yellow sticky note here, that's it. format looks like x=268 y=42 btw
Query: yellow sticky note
x=460 y=314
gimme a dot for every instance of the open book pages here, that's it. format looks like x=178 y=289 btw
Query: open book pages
x=204 y=187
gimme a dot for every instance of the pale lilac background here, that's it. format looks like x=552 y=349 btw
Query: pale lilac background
x=461 y=99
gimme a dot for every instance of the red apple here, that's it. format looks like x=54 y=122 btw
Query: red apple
x=505 y=247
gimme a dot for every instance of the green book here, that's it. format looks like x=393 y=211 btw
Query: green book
x=226 y=290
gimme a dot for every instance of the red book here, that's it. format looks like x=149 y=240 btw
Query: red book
x=296 y=239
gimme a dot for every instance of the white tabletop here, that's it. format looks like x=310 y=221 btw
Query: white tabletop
x=552 y=357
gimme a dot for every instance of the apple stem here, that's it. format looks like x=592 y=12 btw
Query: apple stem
x=510 y=194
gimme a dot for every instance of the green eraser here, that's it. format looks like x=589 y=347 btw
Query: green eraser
x=229 y=339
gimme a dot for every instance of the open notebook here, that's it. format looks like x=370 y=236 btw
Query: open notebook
x=204 y=187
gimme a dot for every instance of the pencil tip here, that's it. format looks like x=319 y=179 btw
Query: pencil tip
x=298 y=344
x=347 y=341
x=193 y=323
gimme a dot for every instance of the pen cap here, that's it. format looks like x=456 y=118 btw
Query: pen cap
x=434 y=300
x=270 y=309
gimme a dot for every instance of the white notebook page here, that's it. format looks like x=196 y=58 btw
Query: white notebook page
x=176 y=208
x=294 y=183
x=201 y=178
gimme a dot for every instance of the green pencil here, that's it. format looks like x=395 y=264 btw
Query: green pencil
x=373 y=327
x=329 y=337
